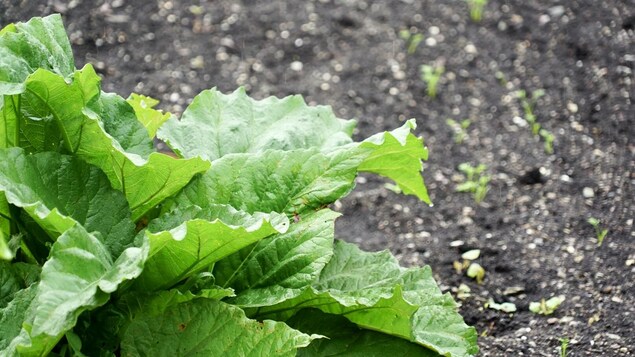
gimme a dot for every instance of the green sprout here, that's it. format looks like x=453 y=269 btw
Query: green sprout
x=529 y=104
x=431 y=75
x=459 y=128
x=504 y=307
x=412 y=40
x=546 y=307
x=564 y=344
x=476 y=9
x=501 y=78
x=600 y=232
x=548 y=139
x=475 y=182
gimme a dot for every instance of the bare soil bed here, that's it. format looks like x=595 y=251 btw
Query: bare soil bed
x=531 y=227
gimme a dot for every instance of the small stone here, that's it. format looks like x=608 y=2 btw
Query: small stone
x=513 y=290
x=197 y=62
x=470 y=48
x=174 y=97
x=587 y=192
x=613 y=336
x=572 y=107
x=566 y=319
x=617 y=300
x=552 y=320
x=296 y=66
x=556 y=11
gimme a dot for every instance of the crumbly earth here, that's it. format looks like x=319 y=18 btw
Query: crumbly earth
x=531 y=227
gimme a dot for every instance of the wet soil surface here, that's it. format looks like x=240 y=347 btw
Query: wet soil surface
x=531 y=227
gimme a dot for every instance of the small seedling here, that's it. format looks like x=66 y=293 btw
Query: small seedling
x=476 y=9
x=504 y=307
x=600 y=232
x=476 y=182
x=459 y=128
x=501 y=78
x=463 y=292
x=546 y=307
x=548 y=139
x=474 y=270
x=431 y=75
x=412 y=40
x=564 y=344
x=528 y=103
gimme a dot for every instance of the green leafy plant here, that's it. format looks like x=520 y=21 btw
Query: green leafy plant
x=564 y=345
x=600 y=233
x=112 y=248
x=412 y=40
x=476 y=9
x=476 y=182
x=431 y=75
x=459 y=128
x=546 y=307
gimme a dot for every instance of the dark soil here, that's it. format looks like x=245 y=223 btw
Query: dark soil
x=532 y=226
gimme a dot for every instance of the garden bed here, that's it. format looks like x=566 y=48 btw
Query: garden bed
x=531 y=227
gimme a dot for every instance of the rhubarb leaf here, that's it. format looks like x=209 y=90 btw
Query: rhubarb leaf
x=204 y=327
x=217 y=124
x=374 y=292
x=279 y=267
x=188 y=241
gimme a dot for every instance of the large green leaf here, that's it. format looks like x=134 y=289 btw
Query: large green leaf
x=146 y=181
x=397 y=155
x=204 y=327
x=120 y=121
x=102 y=329
x=58 y=191
x=188 y=241
x=25 y=47
x=274 y=180
x=307 y=179
x=374 y=292
x=346 y=339
x=14 y=277
x=12 y=317
x=217 y=124
x=79 y=275
x=279 y=267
